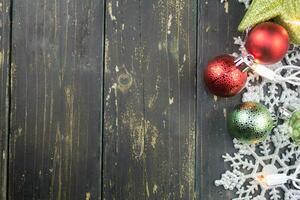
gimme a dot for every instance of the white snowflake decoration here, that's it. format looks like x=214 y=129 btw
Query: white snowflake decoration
x=274 y=155
x=277 y=154
x=293 y=56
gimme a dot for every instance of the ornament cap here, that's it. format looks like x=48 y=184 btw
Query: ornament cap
x=244 y=62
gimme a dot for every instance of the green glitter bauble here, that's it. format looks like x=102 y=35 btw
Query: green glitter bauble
x=294 y=127
x=250 y=122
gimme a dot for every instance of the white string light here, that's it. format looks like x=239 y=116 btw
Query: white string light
x=279 y=179
x=276 y=75
x=293 y=22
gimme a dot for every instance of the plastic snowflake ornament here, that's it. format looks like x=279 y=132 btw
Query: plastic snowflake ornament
x=253 y=167
x=252 y=164
x=293 y=55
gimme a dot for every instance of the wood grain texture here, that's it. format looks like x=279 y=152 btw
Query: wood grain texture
x=123 y=111
x=164 y=134
x=4 y=91
x=55 y=142
x=217 y=27
x=169 y=42
x=150 y=67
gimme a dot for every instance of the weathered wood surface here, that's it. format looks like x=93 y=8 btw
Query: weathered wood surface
x=4 y=91
x=215 y=36
x=149 y=140
x=163 y=133
x=55 y=138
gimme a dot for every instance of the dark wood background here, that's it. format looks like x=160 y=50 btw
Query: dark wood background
x=105 y=99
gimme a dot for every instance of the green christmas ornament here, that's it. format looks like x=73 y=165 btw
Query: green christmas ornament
x=284 y=12
x=294 y=127
x=250 y=122
x=293 y=116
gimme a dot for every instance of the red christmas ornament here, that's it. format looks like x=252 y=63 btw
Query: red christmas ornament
x=267 y=42
x=223 y=78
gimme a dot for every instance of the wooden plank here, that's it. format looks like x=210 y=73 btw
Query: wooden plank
x=123 y=173
x=5 y=25
x=150 y=99
x=215 y=32
x=169 y=42
x=55 y=142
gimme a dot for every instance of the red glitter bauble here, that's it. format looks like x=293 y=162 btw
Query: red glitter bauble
x=223 y=78
x=267 y=42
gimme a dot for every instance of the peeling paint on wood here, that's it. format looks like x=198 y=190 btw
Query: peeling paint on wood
x=124 y=127
x=56 y=107
x=149 y=121
x=160 y=139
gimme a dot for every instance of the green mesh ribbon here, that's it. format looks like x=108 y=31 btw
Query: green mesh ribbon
x=284 y=12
